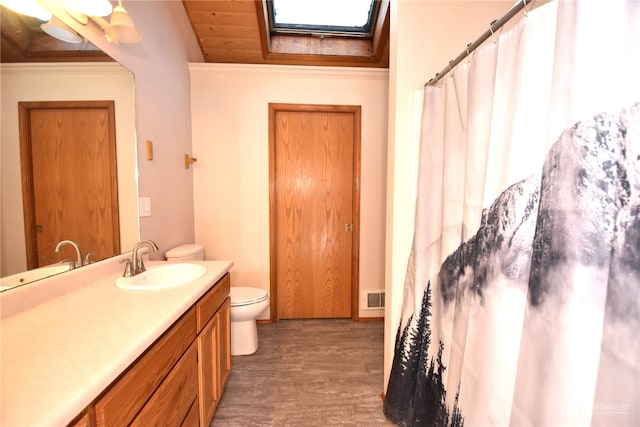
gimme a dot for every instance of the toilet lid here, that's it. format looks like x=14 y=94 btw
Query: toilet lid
x=184 y=250
x=242 y=295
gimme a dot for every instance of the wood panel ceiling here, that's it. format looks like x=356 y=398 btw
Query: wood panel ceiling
x=228 y=31
x=236 y=31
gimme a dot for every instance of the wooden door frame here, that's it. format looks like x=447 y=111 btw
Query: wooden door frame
x=355 y=110
x=26 y=166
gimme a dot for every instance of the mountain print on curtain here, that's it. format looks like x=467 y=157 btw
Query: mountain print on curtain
x=568 y=240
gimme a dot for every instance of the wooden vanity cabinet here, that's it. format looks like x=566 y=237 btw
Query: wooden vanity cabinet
x=214 y=348
x=179 y=380
x=153 y=373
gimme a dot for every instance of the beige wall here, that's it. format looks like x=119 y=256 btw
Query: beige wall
x=63 y=82
x=229 y=105
x=425 y=36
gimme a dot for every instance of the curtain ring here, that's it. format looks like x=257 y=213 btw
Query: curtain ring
x=468 y=53
x=491 y=29
x=524 y=8
x=435 y=79
x=450 y=72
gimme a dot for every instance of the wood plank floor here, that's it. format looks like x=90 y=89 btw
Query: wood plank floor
x=308 y=373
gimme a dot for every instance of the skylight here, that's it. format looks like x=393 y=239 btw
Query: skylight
x=340 y=17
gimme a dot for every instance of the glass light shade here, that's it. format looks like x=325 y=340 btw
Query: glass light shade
x=27 y=7
x=121 y=27
x=89 y=7
x=61 y=31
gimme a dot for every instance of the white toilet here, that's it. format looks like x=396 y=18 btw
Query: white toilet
x=189 y=252
x=247 y=304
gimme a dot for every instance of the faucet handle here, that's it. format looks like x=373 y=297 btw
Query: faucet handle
x=140 y=268
x=128 y=270
x=87 y=259
x=139 y=262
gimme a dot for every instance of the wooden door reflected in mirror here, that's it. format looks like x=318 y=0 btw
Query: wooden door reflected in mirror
x=68 y=156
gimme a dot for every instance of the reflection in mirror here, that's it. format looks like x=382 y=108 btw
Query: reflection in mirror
x=37 y=84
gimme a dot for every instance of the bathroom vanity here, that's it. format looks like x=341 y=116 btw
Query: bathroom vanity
x=84 y=352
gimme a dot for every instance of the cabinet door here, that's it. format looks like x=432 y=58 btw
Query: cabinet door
x=208 y=371
x=171 y=402
x=224 y=344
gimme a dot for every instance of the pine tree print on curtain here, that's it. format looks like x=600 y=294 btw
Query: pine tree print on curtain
x=423 y=376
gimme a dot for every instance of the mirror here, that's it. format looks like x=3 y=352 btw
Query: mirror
x=58 y=81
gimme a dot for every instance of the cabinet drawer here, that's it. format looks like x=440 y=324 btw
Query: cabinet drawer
x=83 y=420
x=171 y=402
x=207 y=306
x=193 y=417
x=125 y=398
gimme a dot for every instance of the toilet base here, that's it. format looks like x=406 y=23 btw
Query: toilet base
x=244 y=338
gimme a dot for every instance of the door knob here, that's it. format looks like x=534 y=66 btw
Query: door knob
x=348 y=227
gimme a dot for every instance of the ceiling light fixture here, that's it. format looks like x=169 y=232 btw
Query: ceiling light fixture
x=58 y=29
x=89 y=8
x=120 y=28
x=27 y=7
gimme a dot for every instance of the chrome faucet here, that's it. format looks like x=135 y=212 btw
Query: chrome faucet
x=135 y=265
x=87 y=258
x=78 y=262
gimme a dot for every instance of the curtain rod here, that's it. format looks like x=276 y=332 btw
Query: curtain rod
x=493 y=27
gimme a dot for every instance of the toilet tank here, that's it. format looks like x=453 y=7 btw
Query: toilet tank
x=189 y=252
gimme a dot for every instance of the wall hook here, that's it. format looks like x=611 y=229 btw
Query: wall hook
x=188 y=160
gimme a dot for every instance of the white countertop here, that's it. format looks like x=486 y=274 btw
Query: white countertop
x=57 y=356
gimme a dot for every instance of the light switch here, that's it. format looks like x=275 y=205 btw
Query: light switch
x=144 y=206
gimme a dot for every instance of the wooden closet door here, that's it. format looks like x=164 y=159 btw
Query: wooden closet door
x=314 y=215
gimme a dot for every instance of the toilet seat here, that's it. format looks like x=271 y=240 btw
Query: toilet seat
x=242 y=295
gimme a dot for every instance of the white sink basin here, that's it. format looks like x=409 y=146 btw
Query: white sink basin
x=162 y=276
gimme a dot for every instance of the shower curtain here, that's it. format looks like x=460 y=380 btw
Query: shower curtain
x=522 y=292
